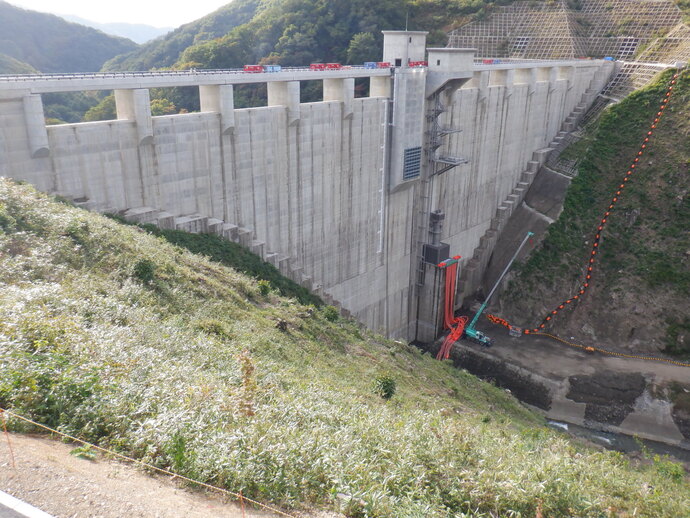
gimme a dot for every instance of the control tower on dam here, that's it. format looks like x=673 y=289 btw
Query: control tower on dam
x=357 y=198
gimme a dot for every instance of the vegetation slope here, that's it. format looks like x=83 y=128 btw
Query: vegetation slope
x=119 y=337
x=51 y=44
x=165 y=51
x=298 y=32
x=9 y=65
x=642 y=282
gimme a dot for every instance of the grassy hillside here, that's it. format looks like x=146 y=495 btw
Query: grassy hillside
x=642 y=281
x=232 y=254
x=117 y=336
x=51 y=44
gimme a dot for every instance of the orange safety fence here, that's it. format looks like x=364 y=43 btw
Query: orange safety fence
x=591 y=349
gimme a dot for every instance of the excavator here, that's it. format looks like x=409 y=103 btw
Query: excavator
x=471 y=333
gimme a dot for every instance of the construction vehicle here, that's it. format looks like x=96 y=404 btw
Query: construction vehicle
x=470 y=333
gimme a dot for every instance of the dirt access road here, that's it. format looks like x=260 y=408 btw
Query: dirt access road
x=595 y=390
x=48 y=477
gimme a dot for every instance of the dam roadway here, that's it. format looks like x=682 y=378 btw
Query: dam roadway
x=79 y=82
x=47 y=83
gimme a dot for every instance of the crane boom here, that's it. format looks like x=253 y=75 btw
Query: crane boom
x=470 y=331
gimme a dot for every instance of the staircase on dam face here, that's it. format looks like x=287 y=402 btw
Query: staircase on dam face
x=199 y=224
x=471 y=275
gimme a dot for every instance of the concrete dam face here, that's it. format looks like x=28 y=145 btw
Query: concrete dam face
x=337 y=194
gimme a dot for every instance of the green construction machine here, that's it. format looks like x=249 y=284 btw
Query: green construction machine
x=470 y=333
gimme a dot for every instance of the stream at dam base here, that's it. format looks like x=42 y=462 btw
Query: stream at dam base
x=617 y=403
x=623 y=443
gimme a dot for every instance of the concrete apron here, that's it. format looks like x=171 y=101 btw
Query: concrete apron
x=603 y=393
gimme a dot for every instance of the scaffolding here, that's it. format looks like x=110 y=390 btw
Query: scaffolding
x=521 y=30
x=631 y=76
x=669 y=47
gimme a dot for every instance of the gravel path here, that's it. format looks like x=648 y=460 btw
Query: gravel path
x=48 y=477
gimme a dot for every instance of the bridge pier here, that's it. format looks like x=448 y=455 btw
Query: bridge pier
x=526 y=76
x=36 y=126
x=286 y=93
x=380 y=86
x=219 y=99
x=135 y=105
x=547 y=74
x=342 y=90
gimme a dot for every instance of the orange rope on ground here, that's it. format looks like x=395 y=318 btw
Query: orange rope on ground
x=589 y=348
x=149 y=466
x=450 y=321
x=595 y=246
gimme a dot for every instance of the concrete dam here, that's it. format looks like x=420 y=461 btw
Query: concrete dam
x=338 y=194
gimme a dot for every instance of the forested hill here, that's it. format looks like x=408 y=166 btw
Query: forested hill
x=9 y=65
x=166 y=50
x=51 y=44
x=297 y=32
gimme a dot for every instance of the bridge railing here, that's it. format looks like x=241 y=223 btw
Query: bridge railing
x=516 y=61
x=149 y=74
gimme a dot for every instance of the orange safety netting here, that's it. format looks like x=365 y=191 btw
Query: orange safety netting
x=450 y=321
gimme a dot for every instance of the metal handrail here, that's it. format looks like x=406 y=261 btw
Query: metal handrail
x=149 y=73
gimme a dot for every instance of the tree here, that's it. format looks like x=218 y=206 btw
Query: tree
x=103 y=111
x=363 y=47
x=162 y=107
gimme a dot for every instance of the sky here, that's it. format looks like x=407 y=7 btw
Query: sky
x=159 y=13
